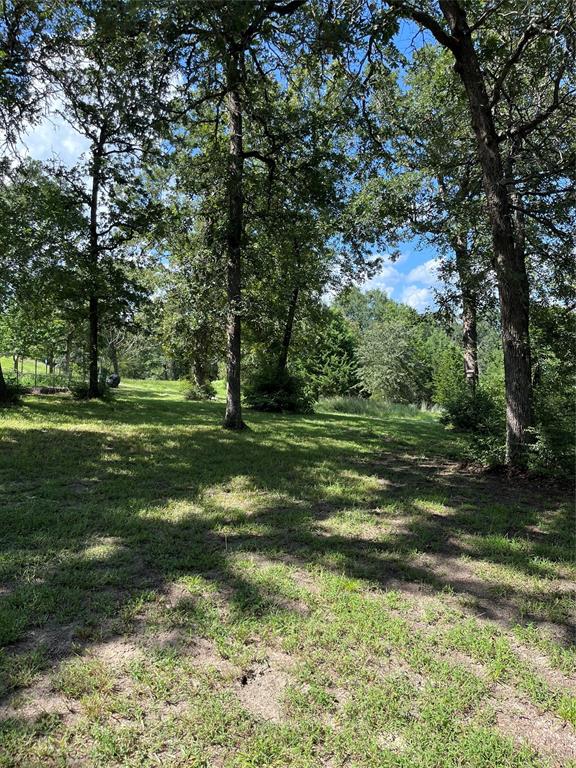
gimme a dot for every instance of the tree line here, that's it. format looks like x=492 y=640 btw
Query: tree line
x=247 y=159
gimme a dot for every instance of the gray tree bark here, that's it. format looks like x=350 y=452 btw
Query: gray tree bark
x=469 y=300
x=508 y=259
x=93 y=254
x=233 y=415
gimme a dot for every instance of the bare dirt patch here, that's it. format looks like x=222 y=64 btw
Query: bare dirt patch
x=260 y=688
x=553 y=677
x=37 y=700
x=549 y=736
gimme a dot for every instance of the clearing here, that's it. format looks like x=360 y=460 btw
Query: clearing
x=329 y=590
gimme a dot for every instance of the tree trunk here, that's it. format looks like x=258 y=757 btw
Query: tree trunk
x=3 y=387
x=93 y=386
x=67 y=355
x=287 y=338
x=93 y=301
x=508 y=260
x=469 y=300
x=113 y=353
x=200 y=373
x=233 y=416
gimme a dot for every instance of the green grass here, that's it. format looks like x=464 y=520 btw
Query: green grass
x=323 y=590
x=367 y=407
x=8 y=365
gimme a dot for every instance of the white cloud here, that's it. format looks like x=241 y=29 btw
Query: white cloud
x=416 y=297
x=53 y=136
x=425 y=274
x=386 y=280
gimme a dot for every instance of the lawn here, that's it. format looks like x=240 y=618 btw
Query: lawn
x=327 y=590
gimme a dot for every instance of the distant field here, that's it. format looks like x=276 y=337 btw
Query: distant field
x=326 y=591
x=8 y=365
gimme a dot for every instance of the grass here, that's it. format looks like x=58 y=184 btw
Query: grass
x=32 y=374
x=366 y=407
x=8 y=365
x=327 y=590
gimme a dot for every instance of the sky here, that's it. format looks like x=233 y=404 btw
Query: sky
x=410 y=279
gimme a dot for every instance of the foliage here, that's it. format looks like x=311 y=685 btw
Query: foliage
x=478 y=410
x=13 y=392
x=361 y=308
x=81 y=390
x=267 y=389
x=329 y=356
x=196 y=391
x=554 y=435
x=399 y=353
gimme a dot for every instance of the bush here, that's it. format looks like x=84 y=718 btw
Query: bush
x=14 y=393
x=479 y=411
x=195 y=391
x=266 y=390
x=329 y=363
x=473 y=410
x=79 y=390
x=554 y=435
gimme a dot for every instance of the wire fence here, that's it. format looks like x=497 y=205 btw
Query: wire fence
x=32 y=373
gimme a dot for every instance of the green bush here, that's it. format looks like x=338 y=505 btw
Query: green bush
x=554 y=436
x=14 y=393
x=79 y=390
x=480 y=410
x=328 y=360
x=266 y=390
x=195 y=391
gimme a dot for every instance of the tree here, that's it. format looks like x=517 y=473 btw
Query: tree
x=41 y=226
x=24 y=45
x=108 y=80
x=484 y=88
x=394 y=364
x=328 y=355
x=428 y=185
x=225 y=45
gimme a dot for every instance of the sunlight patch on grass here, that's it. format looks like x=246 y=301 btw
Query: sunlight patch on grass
x=286 y=596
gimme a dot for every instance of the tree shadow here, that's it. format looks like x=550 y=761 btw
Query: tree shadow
x=94 y=520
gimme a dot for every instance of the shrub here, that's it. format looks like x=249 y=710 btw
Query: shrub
x=328 y=361
x=195 y=391
x=14 y=393
x=79 y=390
x=554 y=435
x=266 y=390
x=479 y=411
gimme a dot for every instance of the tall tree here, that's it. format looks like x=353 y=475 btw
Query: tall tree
x=41 y=233
x=108 y=77
x=484 y=78
x=429 y=185
x=225 y=46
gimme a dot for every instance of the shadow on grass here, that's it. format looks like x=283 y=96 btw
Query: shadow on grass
x=94 y=520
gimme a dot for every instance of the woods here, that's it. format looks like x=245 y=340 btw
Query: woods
x=246 y=164
x=287 y=368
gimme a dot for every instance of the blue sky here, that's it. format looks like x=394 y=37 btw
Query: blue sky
x=412 y=278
